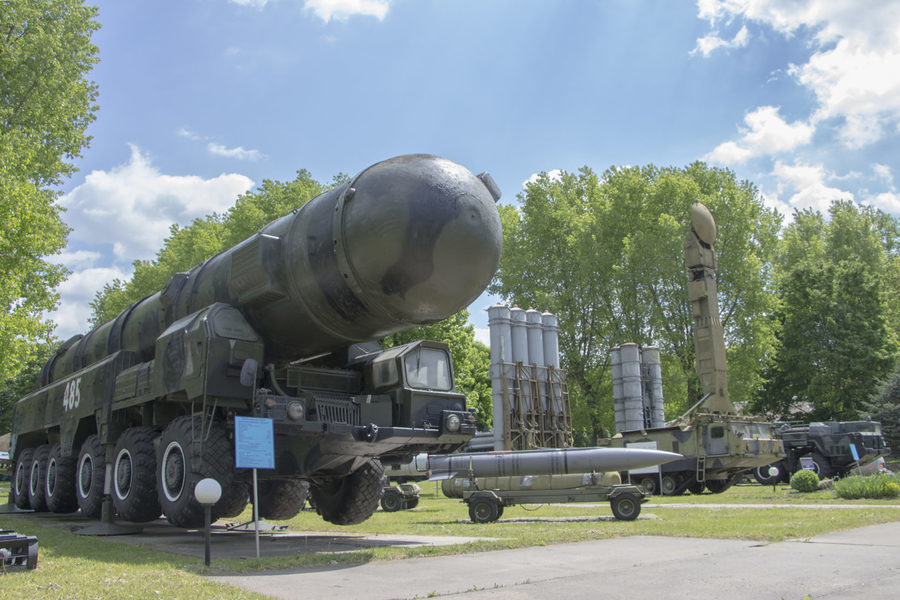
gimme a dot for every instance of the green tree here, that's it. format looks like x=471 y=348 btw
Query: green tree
x=23 y=382
x=46 y=104
x=836 y=278
x=606 y=254
x=884 y=407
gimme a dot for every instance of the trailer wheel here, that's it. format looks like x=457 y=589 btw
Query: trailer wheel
x=649 y=485
x=90 y=476
x=234 y=500
x=20 y=481
x=60 y=482
x=282 y=499
x=391 y=501
x=668 y=485
x=626 y=507
x=176 y=480
x=134 y=476
x=414 y=502
x=696 y=487
x=36 y=496
x=484 y=510
x=352 y=499
x=821 y=466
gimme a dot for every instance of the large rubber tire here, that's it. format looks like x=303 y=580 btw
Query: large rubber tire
x=176 y=480
x=282 y=499
x=484 y=510
x=414 y=502
x=626 y=506
x=821 y=466
x=696 y=487
x=391 y=500
x=668 y=485
x=761 y=474
x=60 y=482
x=234 y=500
x=717 y=486
x=89 y=476
x=352 y=499
x=37 y=497
x=650 y=485
x=134 y=476
x=21 y=477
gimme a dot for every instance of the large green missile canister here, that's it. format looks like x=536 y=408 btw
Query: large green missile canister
x=408 y=241
x=282 y=328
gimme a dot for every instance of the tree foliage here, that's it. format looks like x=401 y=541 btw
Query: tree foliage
x=23 y=382
x=838 y=281
x=884 y=406
x=46 y=104
x=606 y=255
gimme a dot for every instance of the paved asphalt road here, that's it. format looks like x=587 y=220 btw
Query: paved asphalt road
x=860 y=563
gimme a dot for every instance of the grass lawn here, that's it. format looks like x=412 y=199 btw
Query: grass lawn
x=71 y=566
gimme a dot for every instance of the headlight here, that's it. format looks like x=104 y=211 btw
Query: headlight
x=452 y=423
x=295 y=410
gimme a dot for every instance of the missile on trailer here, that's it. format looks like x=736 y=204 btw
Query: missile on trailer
x=542 y=462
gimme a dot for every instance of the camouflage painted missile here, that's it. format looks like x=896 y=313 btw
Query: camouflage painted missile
x=544 y=462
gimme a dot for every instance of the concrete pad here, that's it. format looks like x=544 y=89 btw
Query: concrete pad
x=861 y=563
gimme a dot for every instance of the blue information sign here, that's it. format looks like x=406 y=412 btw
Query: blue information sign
x=254 y=443
x=854 y=452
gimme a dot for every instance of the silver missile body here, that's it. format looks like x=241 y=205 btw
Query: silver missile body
x=543 y=462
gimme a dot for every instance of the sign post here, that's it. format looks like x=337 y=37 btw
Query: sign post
x=254 y=448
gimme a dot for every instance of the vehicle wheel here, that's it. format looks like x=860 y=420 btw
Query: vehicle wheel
x=20 y=480
x=761 y=475
x=650 y=485
x=176 y=480
x=60 y=482
x=414 y=502
x=282 y=499
x=484 y=510
x=352 y=499
x=717 y=486
x=668 y=485
x=821 y=466
x=36 y=480
x=234 y=501
x=89 y=477
x=696 y=487
x=391 y=501
x=626 y=507
x=499 y=510
x=134 y=476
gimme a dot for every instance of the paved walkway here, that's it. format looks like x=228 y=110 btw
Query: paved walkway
x=860 y=563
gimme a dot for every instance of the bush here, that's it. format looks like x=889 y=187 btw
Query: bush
x=805 y=480
x=868 y=486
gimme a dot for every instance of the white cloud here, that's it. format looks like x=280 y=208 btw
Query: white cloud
x=809 y=187
x=887 y=201
x=854 y=68
x=80 y=259
x=253 y=3
x=707 y=44
x=483 y=335
x=132 y=206
x=554 y=175
x=76 y=294
x=884 y=173
x=766 y=133
x=340 y=10
x=239 y=153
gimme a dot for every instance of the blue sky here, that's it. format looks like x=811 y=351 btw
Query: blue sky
x=200 y=100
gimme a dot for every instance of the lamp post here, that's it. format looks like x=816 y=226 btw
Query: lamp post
x=207 y=492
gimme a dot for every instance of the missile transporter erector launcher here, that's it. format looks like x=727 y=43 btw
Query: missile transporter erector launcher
x=281 y=326
x=718 y=445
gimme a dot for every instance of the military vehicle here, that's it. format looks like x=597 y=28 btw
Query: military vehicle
x=828 y=446
x=403 y=496
x=489 y=481
x=718 y=445
x=282 y=326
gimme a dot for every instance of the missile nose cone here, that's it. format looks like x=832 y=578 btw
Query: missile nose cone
x=422 y=236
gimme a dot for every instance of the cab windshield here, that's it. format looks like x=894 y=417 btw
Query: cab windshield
x=428 y=369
